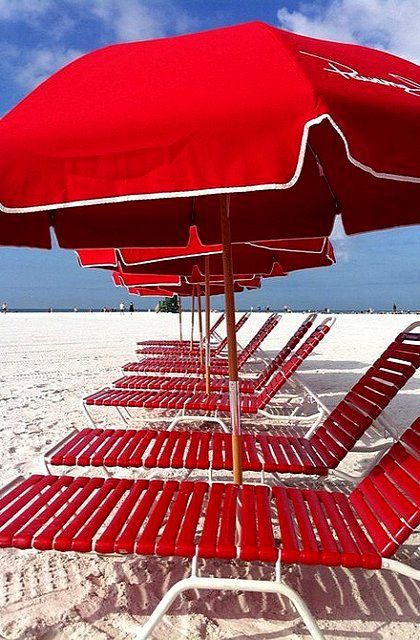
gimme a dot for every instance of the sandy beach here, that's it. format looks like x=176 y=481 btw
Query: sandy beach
x=49 y=363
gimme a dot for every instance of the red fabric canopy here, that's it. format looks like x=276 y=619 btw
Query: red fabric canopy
x=186 y=289
x=271 y=257
x=296 y=129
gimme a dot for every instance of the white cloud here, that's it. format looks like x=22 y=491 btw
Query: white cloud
x=140 y=20
x=23 y=10
x=54 y=21
x=392 y=25
x=38 y=64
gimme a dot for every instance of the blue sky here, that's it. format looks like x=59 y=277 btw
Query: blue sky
x=38 y=36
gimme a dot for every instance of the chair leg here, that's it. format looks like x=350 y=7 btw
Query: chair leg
x=401 y=567
x=226 y=584
x=87 y=412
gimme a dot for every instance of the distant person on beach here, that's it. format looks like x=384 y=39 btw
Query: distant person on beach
x=122 y=307
x=394 y=308
x=131 y=307
x=4 y=307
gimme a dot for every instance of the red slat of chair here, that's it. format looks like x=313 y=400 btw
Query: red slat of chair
x=35 y=495
x=247 y=518
x=147 y=399
x=120 y=454
x=142 y=441
x=151 y=459
x=147 y=540
x=318 y=464
x=19 y=490
x=269 y=463
x=329 y=434
x=267 y=549
x=198 y=456
x=165 y=546
x=402 y=471
x=276 y=445
x=289 y=447
x=34 y=517
x=367 y=393
x=84 y=488
x=185 y=543
x=250 y=459
x=116 y=448
x=179 y=450
x=411 y=438
x=302 y=452
x=70 y=448
x=366 y=406
x=225 y=547
x=369 y=556
x=219 y=457
x=382 y=540
x=330 y=552
x=124 y=382
x=350 y=554
x=310 y=552
x=164 y=459
x=371 y=492
x=289 y=544
x=107 y=542
x=84 y=458
x=228 y=454
x=19 y=531
x=126 y=539
x=95 y=512
x=206 y=546
x=63 y=491
x=408 y=353
x=380 y=371
x=381 y=387
x=318 y=445
x=395 y=497
x=397 y=362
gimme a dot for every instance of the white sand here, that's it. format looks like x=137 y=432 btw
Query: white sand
x=49 y=362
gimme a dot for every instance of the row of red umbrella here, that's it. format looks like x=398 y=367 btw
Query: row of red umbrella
x=248 y=134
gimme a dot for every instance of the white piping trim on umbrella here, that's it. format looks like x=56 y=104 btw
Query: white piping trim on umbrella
x=222 y=190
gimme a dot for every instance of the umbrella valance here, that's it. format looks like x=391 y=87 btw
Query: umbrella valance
x=133 y=143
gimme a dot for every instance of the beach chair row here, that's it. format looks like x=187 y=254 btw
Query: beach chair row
x=200 y=519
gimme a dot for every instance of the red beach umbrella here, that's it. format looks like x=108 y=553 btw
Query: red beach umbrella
x=294 y=128
x=271 y=133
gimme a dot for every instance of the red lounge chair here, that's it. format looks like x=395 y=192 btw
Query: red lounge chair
x=247 y=385
x=197 y=520
x=322 y=449
x=186 y=343
x=186 y=401
x=190 y=364
x=185 y=349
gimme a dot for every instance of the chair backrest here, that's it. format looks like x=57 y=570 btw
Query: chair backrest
x=370 y=395
x=259 y=337
x=222 y=344
x=387 y=500
x=217 y=323
x=293 y=362
x=285 y=352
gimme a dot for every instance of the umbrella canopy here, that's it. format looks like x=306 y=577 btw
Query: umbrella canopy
x=270 y=257
x=187 y=289
x=130 y=144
